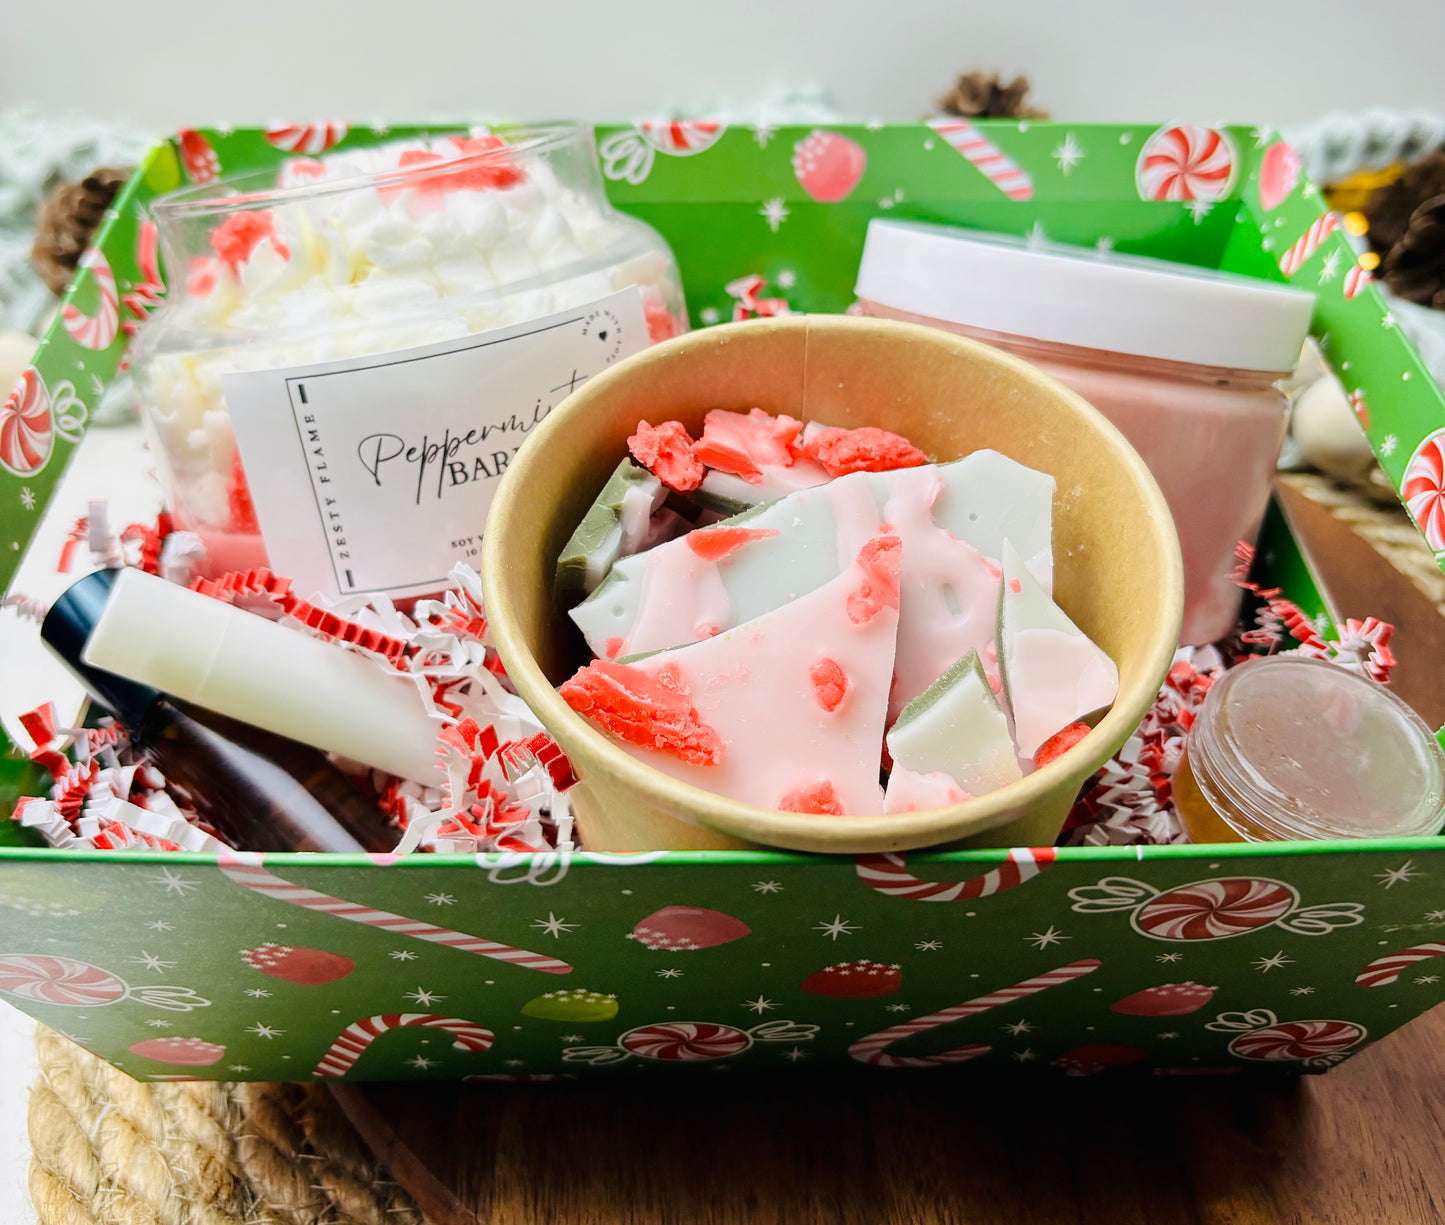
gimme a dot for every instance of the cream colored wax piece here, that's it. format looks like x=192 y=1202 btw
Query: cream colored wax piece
x=243 y=666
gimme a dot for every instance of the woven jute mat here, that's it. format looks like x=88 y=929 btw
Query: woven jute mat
x=109 y=1150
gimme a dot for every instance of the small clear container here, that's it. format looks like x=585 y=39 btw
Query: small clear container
x=366 y=252
x=1286 y=747
x=1184 y=361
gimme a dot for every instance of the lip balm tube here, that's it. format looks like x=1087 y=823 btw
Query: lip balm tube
x=237 y=664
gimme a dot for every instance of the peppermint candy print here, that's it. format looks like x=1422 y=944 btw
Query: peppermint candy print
x=1422 y=489
x=1213 y=909
x=27 y=430
x=688 y=1042
x=628 y=156
x=197 y=156
x=1264 y=1038
x=307 y=139
x=44 y=979
x=874 y=1048
x=1387 y=969
x=889 y=875
x=95 y=331
x=1186 y=162
x=356 y=1038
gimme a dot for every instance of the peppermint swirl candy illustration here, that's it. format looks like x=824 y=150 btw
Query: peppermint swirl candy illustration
x=44 y=979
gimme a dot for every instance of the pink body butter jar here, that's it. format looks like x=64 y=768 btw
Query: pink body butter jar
x=1183 y=360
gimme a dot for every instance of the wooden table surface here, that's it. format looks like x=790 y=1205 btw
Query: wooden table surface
x=1360 y=1145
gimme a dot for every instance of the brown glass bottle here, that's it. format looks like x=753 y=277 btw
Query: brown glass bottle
x=258 y=790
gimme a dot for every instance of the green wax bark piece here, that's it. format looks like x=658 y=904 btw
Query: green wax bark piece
x=606 y=531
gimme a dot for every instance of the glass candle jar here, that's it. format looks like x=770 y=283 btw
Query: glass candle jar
x=1288 y=747
x=1184 y=361
x=368 y=251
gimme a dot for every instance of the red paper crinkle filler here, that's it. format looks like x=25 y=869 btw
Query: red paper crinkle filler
x=1060 y=743
x=879 y=560
x=820 y=798
x=666 y=451
x=240 y=233
x=651 y=710
x=715 y=543
x=741 y=444
x=867 y=449
x=830 y=683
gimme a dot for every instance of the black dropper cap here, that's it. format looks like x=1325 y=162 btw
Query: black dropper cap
x=66 y=631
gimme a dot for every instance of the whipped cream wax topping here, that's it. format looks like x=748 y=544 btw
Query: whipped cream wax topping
x=364 y=252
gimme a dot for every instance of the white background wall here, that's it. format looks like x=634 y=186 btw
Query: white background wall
x=165 y=65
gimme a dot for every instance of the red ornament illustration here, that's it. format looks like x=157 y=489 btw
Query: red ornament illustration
x=1166 y=1000
x=189 y=1052
x=308 y=139
x=27 y=431
x=1423 y=489
x=854 y=979
x=677 y=929
x=889 y=875
x=1215 y=909
x=1091 y=1060
x=685 y=1041
x=306 y=967
x=828 y=165
x=1187 y=162
x=1278 y=174
x=198 y=157
x=95 y=331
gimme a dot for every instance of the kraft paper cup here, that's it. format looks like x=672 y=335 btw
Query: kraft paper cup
x=1117 y=568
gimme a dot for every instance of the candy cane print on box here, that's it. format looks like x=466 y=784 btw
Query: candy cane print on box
x=996 y=166
x=1387 y=969
x=97 y=330
x=1213 y=909
x=357 y=1037
x=889 y=875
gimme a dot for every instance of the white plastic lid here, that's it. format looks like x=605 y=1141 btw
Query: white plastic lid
x=1077 y=296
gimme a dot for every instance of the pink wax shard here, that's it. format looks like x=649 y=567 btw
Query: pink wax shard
x=667 y=452
x=830 y=683
x=651 y=709
x=715 y=543
x=880 y=560
x=816 y=797
x=867 y=449
x=240 y=233
x=743 y=444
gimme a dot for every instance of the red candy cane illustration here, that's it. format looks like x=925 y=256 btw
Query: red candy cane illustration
x=1307 y=244
x=1387 y=969
x=353 y=1041
x=873 y=1049
x=98 y=330
x=246 y=871
x=1356 y=279
x=889 y=875
x=998 y=168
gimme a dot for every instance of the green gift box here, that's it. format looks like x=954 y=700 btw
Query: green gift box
x=1183 y=959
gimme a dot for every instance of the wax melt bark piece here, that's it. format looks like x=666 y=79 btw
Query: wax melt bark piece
x=752 y=687
x=989 y=498
x=956 y=728
x=618 y=524
x=1053 y=674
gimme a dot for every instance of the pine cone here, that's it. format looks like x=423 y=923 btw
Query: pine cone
x=1414 y=268
x=65 y=221
x=978 y=95
x=1390 y=209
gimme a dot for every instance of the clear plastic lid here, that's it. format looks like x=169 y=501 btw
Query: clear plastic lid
x=1079 y=296
x=1300 y=748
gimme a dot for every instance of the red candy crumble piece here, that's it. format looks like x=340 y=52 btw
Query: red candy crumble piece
x=614 y=647
x=667 y=452
x=1060 y=743
x=819 y=798
x=741 y=444
x=240 y=233
x=867 y=449
x=715 y=543
x=879 y=560
x=830 y=683
x=651 y=710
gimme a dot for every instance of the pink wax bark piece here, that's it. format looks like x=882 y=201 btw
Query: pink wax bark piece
x=910 y=791
x=754 y=687
x=743 y=444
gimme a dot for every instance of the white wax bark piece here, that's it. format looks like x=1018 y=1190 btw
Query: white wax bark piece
x=732 y=493
x=990 y=498
x=237 y=664
x=909 y=791
x=1053 y=674
x=754 y=686
x=957 y=727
